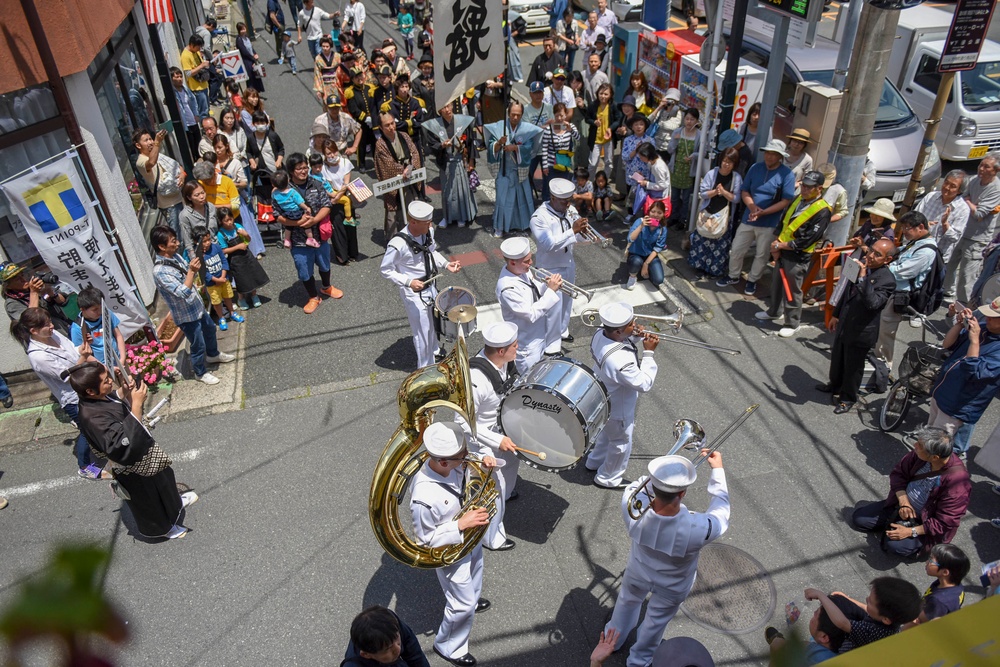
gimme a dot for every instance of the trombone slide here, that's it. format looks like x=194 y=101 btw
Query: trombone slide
x=568 y=288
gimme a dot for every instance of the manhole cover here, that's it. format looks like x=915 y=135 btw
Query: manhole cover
x=732 y=594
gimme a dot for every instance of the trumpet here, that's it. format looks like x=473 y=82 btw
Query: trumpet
x=688 y=435
x=591 y=318
x=568 y=288
x=595 y=237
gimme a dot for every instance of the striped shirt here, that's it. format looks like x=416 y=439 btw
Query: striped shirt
x=553 y=142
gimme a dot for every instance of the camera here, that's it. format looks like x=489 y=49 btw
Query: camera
x=46 y=277
x=905 y=523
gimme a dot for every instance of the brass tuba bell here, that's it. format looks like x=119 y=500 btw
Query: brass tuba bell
x=448 y=385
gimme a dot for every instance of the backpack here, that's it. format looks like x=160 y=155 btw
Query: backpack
x=928 y=297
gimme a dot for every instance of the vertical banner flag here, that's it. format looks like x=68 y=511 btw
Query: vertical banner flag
x=57 y=213
x=468 y=46
x=158 y=11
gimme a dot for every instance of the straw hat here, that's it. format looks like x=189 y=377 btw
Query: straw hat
x=800 y=134
x=883 y=208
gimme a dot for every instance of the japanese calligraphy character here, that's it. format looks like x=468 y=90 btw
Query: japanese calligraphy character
x=70 y=258
x=80 y=275
x=112 y=283
x=92 y=247
x=469 y=17
x=105 y=270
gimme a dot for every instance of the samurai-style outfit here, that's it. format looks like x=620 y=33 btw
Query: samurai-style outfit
x=514 y=203
x=138 y=464
x=456 y=196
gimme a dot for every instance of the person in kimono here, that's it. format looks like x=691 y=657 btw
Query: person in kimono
x=113 y=425
x=444 y=138
x=666 y=542
x=510 y=146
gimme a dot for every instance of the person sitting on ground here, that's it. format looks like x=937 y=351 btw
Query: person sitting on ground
x=948 y=565
x=929 y=493
x=891 y=602
x=380 y=637
x=825 y=638
x=647 y=239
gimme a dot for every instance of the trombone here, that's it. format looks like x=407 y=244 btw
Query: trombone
x=689 y=435
x=591 y=318
x=568 y=288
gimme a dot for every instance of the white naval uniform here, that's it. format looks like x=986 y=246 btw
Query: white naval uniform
x=663 y=561
x=488 y=437
x=435 y=504
x=401 y=265
x=527 y=308
x=555 y=240
x=626 y=371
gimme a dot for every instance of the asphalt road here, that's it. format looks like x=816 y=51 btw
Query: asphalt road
x=281 y=555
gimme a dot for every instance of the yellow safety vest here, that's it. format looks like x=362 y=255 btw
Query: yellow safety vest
x=788 y=228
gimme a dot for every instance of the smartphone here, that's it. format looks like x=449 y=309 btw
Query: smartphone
x=166 y=126
x=653 y=222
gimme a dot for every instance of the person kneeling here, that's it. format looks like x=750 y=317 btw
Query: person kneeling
x=647 y=239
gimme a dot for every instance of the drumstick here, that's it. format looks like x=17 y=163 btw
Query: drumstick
x=541 y=456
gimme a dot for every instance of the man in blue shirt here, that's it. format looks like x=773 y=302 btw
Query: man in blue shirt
x=767 y=190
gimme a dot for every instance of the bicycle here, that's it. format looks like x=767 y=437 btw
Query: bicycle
x=917 y=371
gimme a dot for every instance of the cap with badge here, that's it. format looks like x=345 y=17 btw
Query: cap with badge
x=419 y=210
x=8 y=270
x=333 y=101
x=672 y=473
x=813 y=178
x=517 y=247
x=536 y=87
x=616 y=315
x=561 y=188
x=559 y=73
x=443 y=439
x=500 y=334
x=991 y=309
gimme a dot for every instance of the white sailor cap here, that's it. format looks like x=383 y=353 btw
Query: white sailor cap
x=615 y=315
x=500 y=334
x=443 y=439
x=419 y=210
x=561 y=188
x=672 y=473
x=516 y=247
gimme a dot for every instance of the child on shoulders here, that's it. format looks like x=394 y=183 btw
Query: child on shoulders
x=90 y=301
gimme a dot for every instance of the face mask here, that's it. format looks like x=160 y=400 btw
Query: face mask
x=260 y=128
x=332 y=160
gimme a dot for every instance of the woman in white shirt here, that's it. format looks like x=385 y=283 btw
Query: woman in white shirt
x=337 y=172
x=50 y=353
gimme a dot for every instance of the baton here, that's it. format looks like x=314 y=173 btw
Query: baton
x=784 y=281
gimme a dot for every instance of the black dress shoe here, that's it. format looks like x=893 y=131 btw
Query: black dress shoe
x=568 y=338
x=514 y=495
x=483 y=604
x=842 y=407
x=621 y=485
x=465 y=661
x=825 y=388
x=506 y=546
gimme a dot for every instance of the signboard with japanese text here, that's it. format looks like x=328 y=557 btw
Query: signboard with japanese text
x=468 y=46
x=232 y=66
x=967 y=34
x=390 y=184
x=59 y=217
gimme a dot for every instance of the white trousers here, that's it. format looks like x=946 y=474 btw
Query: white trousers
x=529 y=353
x=557 y=320
x=941 y=420
x=496 y=534
x=610 y=454
x=659 y=613
x=888 y=325
x=462 y=584
x=421 y=319
x=745 y=235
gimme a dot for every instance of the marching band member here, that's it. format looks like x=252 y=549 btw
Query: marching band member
x=555 y=225
x=492 y=372
x=666 y=542
x=526 y=302
x=435 y=502
x=625 y=372
x=410 y=259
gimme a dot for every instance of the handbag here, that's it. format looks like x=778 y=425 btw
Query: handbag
x=900 y=301
x=713 y=225
x=473 y=180
x=325 y=229
x=165 y=187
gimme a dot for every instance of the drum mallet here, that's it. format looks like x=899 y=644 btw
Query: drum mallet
x=541 y=456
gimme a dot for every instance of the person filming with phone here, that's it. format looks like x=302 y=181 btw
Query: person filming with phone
x=646 y=240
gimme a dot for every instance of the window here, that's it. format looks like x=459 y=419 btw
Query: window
x=927 y=76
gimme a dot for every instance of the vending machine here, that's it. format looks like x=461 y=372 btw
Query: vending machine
x=699 y=93
x=660 y=57
x=624 y=53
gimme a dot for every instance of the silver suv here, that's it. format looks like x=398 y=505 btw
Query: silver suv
x=898 y=132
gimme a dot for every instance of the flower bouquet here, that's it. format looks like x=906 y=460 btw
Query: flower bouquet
x=149 y=362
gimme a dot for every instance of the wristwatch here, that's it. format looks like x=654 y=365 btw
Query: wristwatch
x=913 y=532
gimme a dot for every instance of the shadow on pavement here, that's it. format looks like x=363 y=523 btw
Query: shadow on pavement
x=419 y=599
x=533 y=517
x=399 y=356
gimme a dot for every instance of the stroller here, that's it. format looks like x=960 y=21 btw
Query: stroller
x=266 y=221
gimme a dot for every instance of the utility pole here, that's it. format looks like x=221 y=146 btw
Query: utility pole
x=870 y=58
x=847 y=45
x=930 y=133
x=728 y=97
x=772 y=82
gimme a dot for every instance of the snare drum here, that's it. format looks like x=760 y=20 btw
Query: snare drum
x=447 y=299
x=558 y=407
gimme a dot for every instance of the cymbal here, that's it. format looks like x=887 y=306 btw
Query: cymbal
x=462 y=314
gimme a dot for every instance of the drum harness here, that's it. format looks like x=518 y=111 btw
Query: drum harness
x=501 y=387
x=430 y=266
x=614 y=348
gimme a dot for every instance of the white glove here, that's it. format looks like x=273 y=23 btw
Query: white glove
x=368 y=121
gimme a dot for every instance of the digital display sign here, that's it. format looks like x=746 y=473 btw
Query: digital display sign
x=797 y=9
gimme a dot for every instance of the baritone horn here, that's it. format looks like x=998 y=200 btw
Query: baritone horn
x=568 y=288
x=446 y=385
x=688 y=434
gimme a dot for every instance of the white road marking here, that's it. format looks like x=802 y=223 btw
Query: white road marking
x=643 y=294
x=49 y=485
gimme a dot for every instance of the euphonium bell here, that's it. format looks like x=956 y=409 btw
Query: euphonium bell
x=448 y=385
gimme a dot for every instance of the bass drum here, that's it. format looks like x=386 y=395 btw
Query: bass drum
x=559 y=407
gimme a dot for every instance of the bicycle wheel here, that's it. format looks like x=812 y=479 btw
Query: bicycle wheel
x=894 y=408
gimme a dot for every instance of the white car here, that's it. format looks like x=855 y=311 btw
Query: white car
x=536 y=13
x=625 y=10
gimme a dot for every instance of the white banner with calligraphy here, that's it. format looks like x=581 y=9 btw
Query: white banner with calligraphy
x=468 y=46
x=54 y=208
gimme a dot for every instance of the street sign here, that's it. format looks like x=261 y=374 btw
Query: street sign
x=967 y=34
x=390 y=184
x=232 y=66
